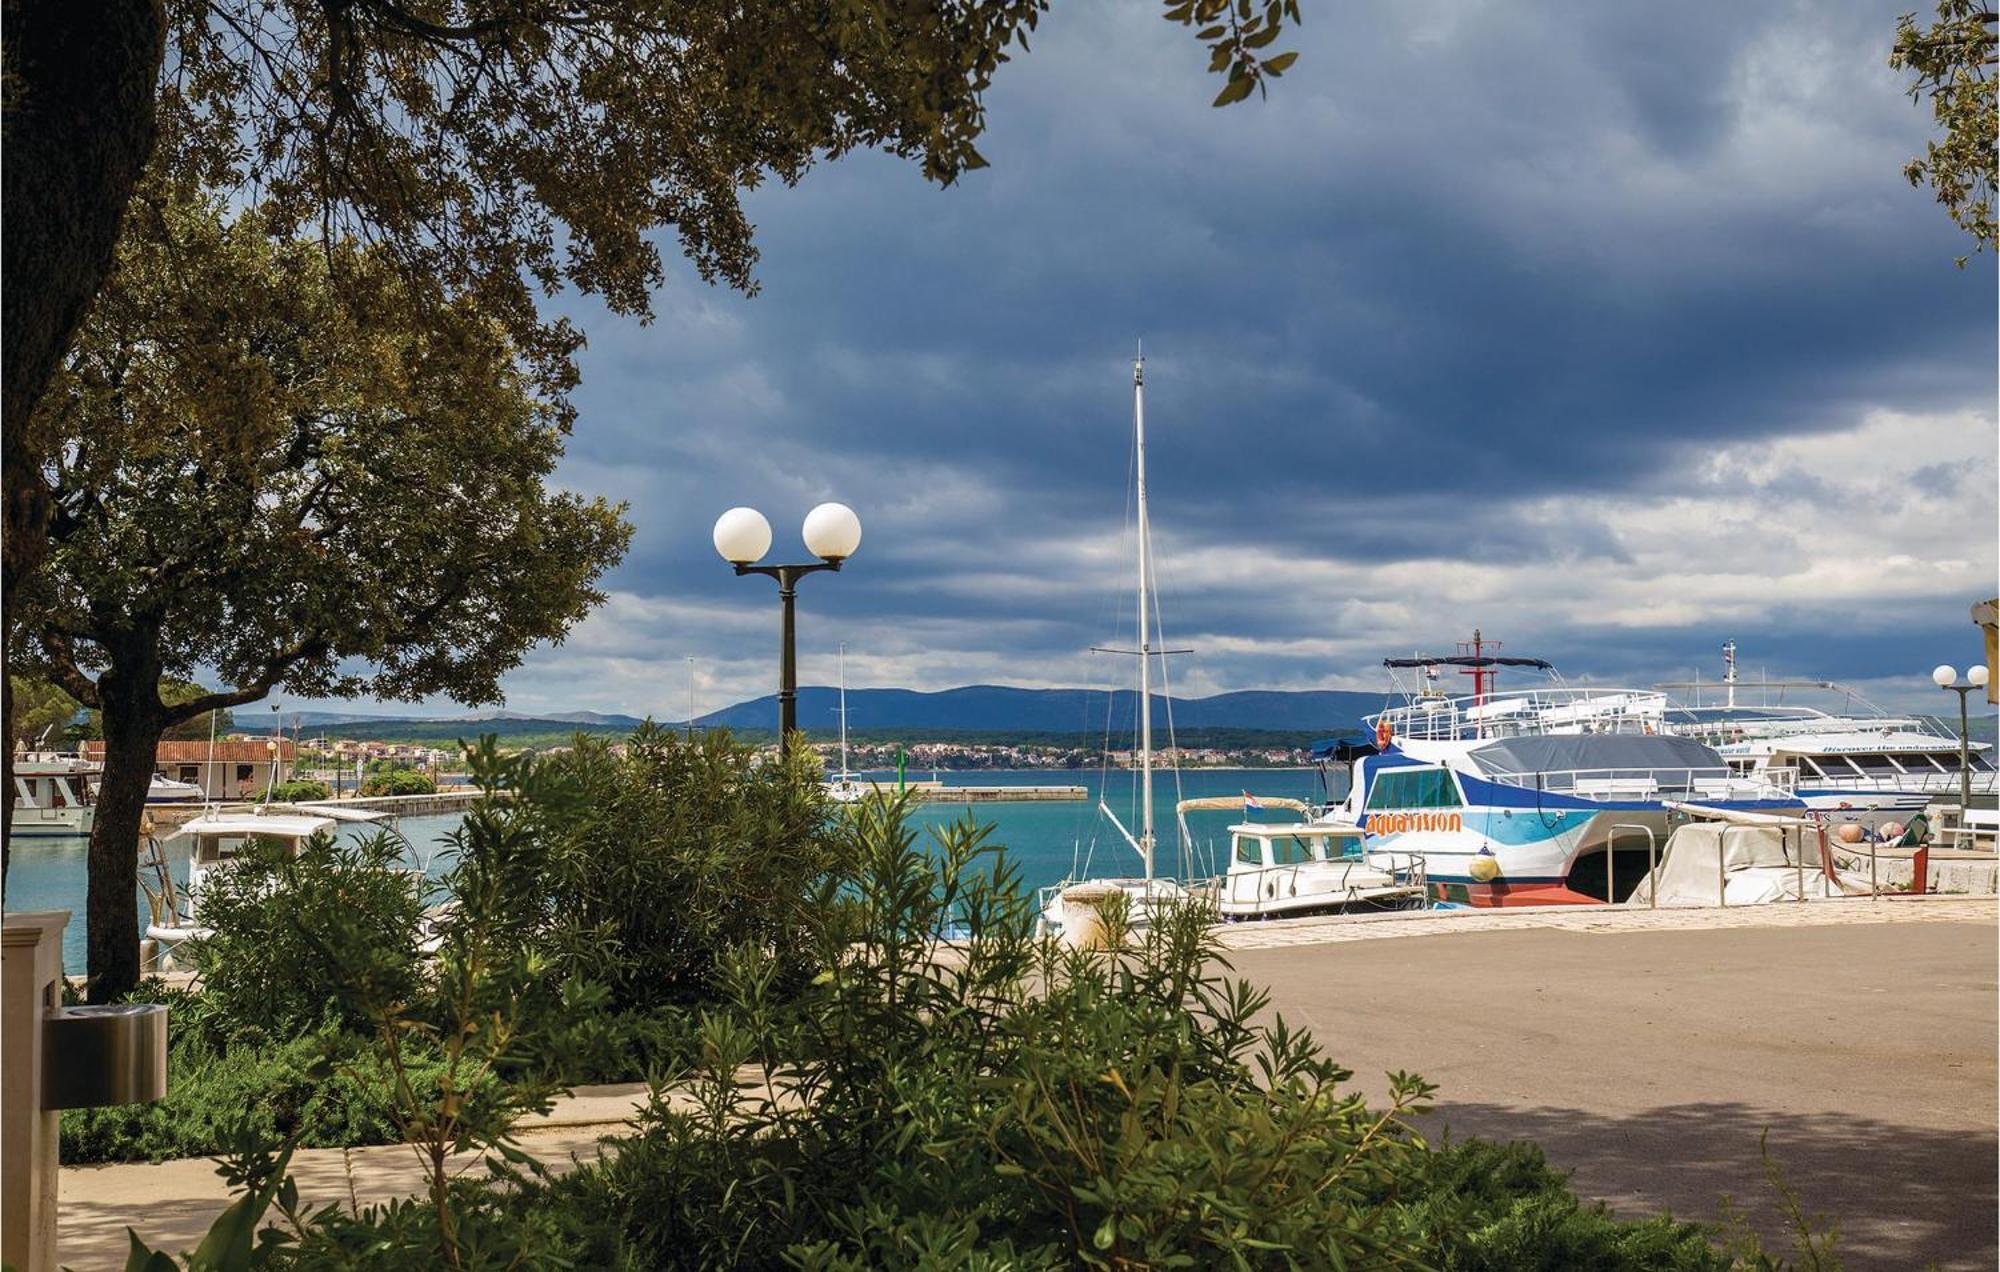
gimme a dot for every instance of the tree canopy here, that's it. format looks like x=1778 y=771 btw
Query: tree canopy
x=293 y=464
x=1954 y=59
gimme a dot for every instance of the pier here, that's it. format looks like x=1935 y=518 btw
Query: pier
x=456 y=800
x=935 y=792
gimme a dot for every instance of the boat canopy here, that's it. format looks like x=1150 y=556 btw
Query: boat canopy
x=1469 y=660
x=1342 y=750
x=338 y=813
x=1231 y=803
x=277 y=825
x=1592 y=752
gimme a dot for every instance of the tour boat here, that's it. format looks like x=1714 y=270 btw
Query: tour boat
x=1854 y=763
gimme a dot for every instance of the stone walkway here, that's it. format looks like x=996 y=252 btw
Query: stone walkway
x=1326 y=931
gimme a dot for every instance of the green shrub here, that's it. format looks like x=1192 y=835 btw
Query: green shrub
x=642 y=867
x=398 y=781
x=296 y=942
x=295 y=1089
x=299 y=790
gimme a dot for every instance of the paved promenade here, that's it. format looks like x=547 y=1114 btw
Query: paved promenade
x=1646 y=1050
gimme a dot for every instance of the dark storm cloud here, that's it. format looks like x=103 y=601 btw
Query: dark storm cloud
x=1470 y=277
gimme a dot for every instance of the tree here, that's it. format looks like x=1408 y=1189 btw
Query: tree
x=505 y=147
x=1953 y=60
x=296 y=465
x=39 y=707
x=195 y=728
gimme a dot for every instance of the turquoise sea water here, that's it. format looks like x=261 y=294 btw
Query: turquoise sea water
x=1047 y=841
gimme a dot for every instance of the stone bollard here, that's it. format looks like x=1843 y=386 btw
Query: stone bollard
x=30 y=989
x=57 y=1058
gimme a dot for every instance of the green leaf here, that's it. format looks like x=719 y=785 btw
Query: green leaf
x=143 y=1258
x=1280 y=64
x=1235 y=91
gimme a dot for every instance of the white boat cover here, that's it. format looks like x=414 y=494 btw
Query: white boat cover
x=1726 y=863
x=1231 y=803
x=278 y=825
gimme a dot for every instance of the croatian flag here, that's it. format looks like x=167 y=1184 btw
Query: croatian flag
x=1250 y=803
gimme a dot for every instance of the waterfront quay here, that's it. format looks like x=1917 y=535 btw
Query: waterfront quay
x=455 y=800
x=935 y=792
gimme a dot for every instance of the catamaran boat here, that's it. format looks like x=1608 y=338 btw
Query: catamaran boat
x=1855 y=762
x=54 y=796
x=1074 y=907
x=1525 y=797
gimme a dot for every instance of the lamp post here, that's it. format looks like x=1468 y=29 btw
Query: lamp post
x=742 y=536
x=1946 y=677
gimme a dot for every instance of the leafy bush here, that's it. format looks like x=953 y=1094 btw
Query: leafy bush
x=398 y=781
x=289 y=1089
x=640 y=867
x=299 y=790
x=300 y=941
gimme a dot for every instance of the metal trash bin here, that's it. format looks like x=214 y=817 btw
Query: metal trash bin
x=94 y=1056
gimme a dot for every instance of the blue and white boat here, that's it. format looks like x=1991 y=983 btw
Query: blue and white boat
x=1545 y=796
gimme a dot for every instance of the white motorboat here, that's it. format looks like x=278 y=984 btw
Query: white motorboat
x=1294 y=869
x=1074 y=907
x=216 y=841
x=1726 y=858
x=165 y=790
x=55 y=796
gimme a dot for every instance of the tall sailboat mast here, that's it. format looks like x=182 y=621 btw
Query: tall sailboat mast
x=843 y=710
x=1145 y=636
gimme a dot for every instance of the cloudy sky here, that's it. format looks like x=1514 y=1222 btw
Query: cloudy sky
x=1612 y=330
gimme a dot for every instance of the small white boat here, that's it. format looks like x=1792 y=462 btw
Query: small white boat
x=1293 y=869
x=1732 y=858
x=216 y=842
x=165 y=790
x=845 y=787
x=1074 y=908
x=55 y=796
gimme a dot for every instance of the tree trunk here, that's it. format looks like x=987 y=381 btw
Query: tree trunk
x=79 y=127
x=133 y=722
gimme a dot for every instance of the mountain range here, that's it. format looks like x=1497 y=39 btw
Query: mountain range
x=969 y=709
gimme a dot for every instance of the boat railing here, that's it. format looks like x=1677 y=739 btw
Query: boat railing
x=1526 y=712
x=1701 y=782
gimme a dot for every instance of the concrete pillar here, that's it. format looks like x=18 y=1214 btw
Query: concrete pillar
x=30 y=988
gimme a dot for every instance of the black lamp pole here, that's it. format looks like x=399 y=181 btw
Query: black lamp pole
x=1964 y=748
x=788 y=577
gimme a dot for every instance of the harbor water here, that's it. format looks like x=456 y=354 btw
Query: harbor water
x=1047 y=842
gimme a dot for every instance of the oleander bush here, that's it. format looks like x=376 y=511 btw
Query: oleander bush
x=643 y=864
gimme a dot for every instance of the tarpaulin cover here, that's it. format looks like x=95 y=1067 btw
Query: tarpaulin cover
x=1567 y=752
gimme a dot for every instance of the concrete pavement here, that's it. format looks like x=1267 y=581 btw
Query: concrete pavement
x=1650 y=1060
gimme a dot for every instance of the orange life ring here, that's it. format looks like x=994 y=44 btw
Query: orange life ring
x=1383 y=732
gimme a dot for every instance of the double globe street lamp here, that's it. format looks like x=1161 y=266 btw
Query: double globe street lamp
x=1946 y=677
x=832 y=532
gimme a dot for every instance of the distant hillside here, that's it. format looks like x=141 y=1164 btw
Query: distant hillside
x=999 y=709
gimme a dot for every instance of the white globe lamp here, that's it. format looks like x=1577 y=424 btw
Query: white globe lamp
x=742 y=536
x=1977 y=675
x=1943 y=675
x=832 y=532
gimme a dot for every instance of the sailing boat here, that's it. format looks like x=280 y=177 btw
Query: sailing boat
x=845 y=787
x=1074 y=907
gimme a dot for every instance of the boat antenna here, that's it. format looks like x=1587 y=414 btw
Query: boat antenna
x=843 y=711
x=1729 y=670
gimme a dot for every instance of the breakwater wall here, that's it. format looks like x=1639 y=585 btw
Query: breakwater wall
x=939 y=793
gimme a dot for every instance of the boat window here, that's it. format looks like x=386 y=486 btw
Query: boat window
x=1414 y=788
x=1830 y=765
x=1876 y=765
x=1249 y=851
x=1982 y=764
x=1292 y=850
